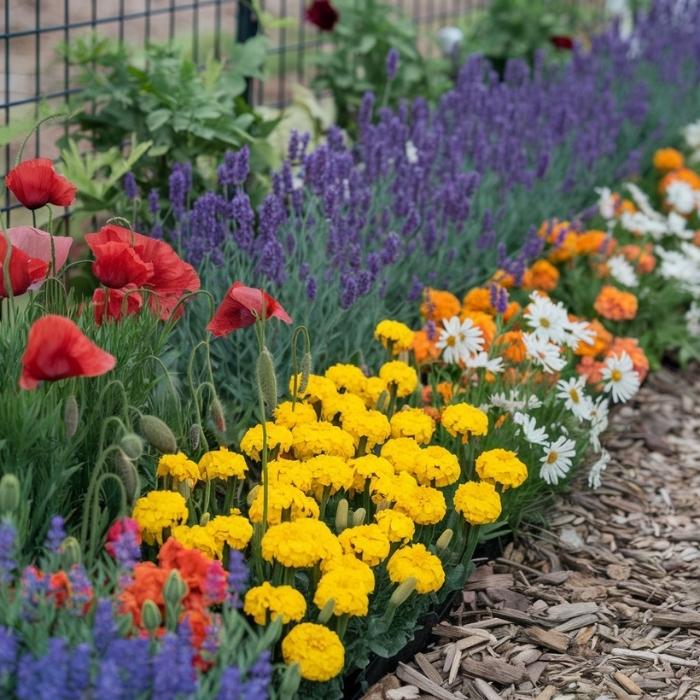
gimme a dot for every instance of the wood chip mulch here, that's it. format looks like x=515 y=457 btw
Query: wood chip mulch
x=604 y=602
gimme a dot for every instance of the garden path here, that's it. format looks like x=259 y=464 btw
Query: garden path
x=605 y=602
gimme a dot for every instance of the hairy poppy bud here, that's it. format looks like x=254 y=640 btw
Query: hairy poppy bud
x=127 y=472
x=195 y=435
x=267 y=379
x=71 y=416
x=306 y=368
x=217 y=415
x=9 y=494
x=132 y=445
x=341 y=515
x=150 y=616
x=158 y=434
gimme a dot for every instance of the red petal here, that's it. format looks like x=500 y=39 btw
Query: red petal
x=36 y=183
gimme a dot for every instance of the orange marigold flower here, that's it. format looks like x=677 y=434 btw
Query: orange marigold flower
x=554 y=230
x=439 y=304
x=511 y=346
x=684 y=174
x=615 y=305
x=626 y=206
x=567 y=249
x=423 y=348
x=696 y=238
x=485 y=322
x=666 y=159
x=637 y=355
x=542 y=275
x=478 y=299
x=505 y=279
x=601 y=342
x=594 y=242
x=643 y=258
x=591 y=369
x=512 y=310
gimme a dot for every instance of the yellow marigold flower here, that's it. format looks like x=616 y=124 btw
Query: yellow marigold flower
x=222 y=464
x=311 y=439
x=265 y=602
x=367 y=542
x=328 y=472
x=398 y=374
x=387 y=488
x=402 y=452
x=397 y=526
x=179 y=467
x=395 y=335
x=413 y=423
x=345 y=587
x=374 y=388
x=464 y=420
x=196 y=537
x=289 y=415
x=340 y=404
x=300 y=544
x=278 y=437
x=283 y=501
x=478 y=502
x=436 y=466
x=371 y=425
x=502 y=467
x=158 y=510
x=318 y=651
x=291 y=472
x=349 y=378
x=363 y=574
x=424 y=505
x=368 y=467
x=317 y=388
x=233 y=530
x=416 y=561
x=667 y=159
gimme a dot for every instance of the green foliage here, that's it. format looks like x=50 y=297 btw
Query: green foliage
x=357 y=62
x=187 y=113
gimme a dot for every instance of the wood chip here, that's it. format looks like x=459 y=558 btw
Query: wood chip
x=551 y=639
x=493 y=670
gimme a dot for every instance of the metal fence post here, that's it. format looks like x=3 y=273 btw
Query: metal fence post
x=247 y=27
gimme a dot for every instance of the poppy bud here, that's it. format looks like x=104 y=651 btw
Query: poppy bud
x=306 y=368
x=127 y=472
x=158 y=434
x=326 y=612
x=443 y=542
x=150 y=616
x=341 y=515
x=267 y=379
x=174 y=589
x=9 y=494
x=358 y=517
x=217 y=415
x=290 y=681
x=195 y=434
x=71 y=416
x=70 y=552
x=132 y=445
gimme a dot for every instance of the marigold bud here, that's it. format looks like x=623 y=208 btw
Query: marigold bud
x=71 y=416
x=150 y=616
x=70 y=552
x=326 y=612
x=158 y=434
x=217 y=414
x=403 y=592
x=9 y=494
x=443 y=542
x=341 y=515
x=358 y=517
x=290 y=681
x=267 y=379
x=132 y=444
x=206 y=517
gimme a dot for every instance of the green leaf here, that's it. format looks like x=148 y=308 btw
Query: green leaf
x=155 y=120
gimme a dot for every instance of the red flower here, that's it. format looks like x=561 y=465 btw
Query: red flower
x=36 y=183
x=562 y=42
x=322 y=14
x=114 y=304
x=123 y=257
x=241 y=307
x=118 y=529
x=56 y=349
x=24 y=270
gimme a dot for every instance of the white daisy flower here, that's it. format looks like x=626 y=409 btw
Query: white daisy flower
x=548 y=320
x=641 y=200
x=621 y=270
x=575 y=400
x=579 y=332
x=557 y=460
x=681 y=196
x=533 y=402
x=481 y=360
x=691 y=134
x=607 y=202
x=543 y=352
x=471 y=337
x=598 y=416
x=411 y=153
x=597 y=469
x=692 y=320
x=678 y=227
x=639 y=223
x=620 y=377
x=529 y=429
x=449 y=341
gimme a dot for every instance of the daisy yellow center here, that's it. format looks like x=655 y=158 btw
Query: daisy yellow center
x=451 y=341
x=552 y=457
x=544 y=322
x=574 y=396
x=616 y=375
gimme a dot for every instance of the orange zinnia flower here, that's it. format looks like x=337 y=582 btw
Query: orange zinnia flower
x=616 y=305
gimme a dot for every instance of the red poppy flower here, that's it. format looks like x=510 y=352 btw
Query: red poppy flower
x=24 y=270
x=36 y=183
x=241 y=307
x=562 y=42
x=322 y=14
x=123 y=257
x=114 y=304
x=56 y=349
x=41 y=244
